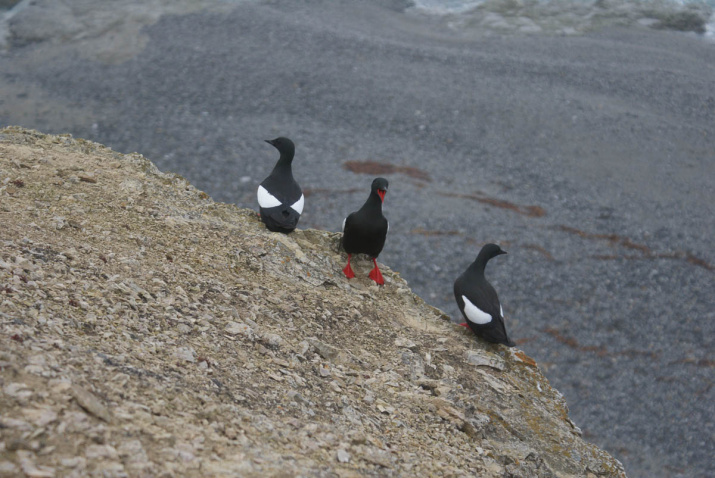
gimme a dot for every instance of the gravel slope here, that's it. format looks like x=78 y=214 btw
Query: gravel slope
x=146 y=330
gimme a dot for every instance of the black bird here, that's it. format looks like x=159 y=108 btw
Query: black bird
x=279 y=196
x=365 y=230
x=478 y=300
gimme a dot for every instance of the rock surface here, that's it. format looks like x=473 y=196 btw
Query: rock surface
x=146 y=330
x=110 y=31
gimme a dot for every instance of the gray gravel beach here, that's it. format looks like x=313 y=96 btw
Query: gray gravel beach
x=590 y=158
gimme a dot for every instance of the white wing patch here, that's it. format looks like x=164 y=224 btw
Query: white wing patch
x=267 y=200
x=501 y=311
x=344 y=224
x=298 y=205
x=475 y=314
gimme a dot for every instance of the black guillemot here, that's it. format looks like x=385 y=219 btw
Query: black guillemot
x=279 y=197
x=478 y=301
x=365 y=230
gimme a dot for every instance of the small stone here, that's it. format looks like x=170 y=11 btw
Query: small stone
x=186 y=353
x=110 y=468
x=324 y=350
x=231 y=433
x=8 y=468
x=343 y=456
x=40 y=417
x=7 y=422
x=431 y=385
x=90 y=403
x=385 y=408
x=378 y=457
x=101 y=451
x=405 y=343
x=274 y=341
x=297 y=397
x=59 y=222
x=72 y=462
x=324 y=371
x=133 y=451
x=576 y=429
x=31 y=470
x=17 y=390
x=238 y=328
x=485 y=359
x=15 y=445
x=185 y=452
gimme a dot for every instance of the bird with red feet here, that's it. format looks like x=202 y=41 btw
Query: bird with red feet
x=479 y=302
x=365 y=230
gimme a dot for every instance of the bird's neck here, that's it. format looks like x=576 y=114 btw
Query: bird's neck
x=284 y=163
x=479 y=265
x=373 y=202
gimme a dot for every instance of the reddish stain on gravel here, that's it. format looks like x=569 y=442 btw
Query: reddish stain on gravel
x=375 y=168
x=530 y=211
x=645 y=251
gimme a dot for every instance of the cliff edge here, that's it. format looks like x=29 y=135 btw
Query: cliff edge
x=146 y=330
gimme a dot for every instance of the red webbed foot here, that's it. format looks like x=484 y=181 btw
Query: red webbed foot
x=376 y=275
x=348 y=271
x=464 y=325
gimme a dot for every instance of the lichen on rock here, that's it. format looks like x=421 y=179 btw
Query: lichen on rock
x=154 y=331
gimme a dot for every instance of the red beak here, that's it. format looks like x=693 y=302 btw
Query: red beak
x=381 y=193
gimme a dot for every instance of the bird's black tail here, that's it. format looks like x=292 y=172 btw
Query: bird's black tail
x=280 y=219
x=495 y=334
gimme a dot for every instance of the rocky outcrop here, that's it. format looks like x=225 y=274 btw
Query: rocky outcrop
x=104 y=31
x=146 y=330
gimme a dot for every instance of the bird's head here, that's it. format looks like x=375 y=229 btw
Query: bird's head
x=282 y=144
x=379 y=186
x=491 y=250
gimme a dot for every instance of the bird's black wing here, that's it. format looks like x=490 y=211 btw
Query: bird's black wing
x=287 y=192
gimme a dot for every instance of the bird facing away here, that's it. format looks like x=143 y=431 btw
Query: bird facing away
x=478 y=301
x=365 y=230
x=279 y=197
